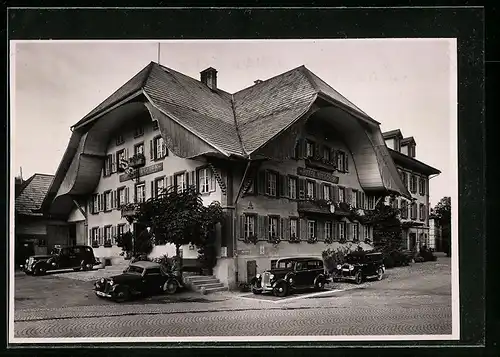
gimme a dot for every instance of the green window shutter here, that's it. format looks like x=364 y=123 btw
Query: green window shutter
x=284 y=185
x=303 y=229
x=261 y=182
x=335 y=193
x=261 y=225
x=320 y=230
x=286 y=228
x=302 y=188
x=318 y=193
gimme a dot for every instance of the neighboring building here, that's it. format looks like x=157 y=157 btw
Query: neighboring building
x=415 y=175
x=275 y=155
x=34 y=232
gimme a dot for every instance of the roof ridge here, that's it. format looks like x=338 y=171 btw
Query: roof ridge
x=270 y=78
x=236 y=126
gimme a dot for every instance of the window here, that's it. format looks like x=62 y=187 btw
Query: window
x=413 y=184
x=404 y=178
x=42 y=243
x=155 y=125
x=249 y=226
x=120 y=230
x=119 y=139
x=107 y=234
x=342 y=230
x=271 y=183
x=180 y=182
x=366 y=232
x=95 y=234
x=326 y=192
x=404 y=209
x=355 y=200
x=355 y=232
x=138 y=131
x=95 y=203
x=292 y=188
x=421 y=187
x=414 y=210
x=371 y=202
x=108 y=162
x=326 y=153
x=422 y=212
x=273 y=227
x=139 y=149
x=140 y=192
x=153 y=271
x=160 y=151
x=328 y=230
x=309 y=149
x=107 y=201
x=311 y=229
x=340 y=161
x=360 y=199
x=341 y=194
x=206 y=180
x=395 y=203
x=294 y=222
x=159 y=186
x=120 y=196
x=310 y=189
x=120 y=157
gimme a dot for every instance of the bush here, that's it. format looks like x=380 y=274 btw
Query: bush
x=427 y=254
x=396 y=258
x=332 y=257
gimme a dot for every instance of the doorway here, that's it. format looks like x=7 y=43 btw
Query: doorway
x=413 y=241
x=251 y=270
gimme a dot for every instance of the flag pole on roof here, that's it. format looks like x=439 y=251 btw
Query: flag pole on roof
x=158 y=53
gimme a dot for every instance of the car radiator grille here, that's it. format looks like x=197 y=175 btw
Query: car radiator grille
x=266 y=279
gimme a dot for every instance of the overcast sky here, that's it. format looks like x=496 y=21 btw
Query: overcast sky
x=402 y=84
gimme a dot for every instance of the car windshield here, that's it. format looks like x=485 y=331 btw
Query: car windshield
x=285 y=264
x=354 y=258
x=134 y=269
x=55 y=251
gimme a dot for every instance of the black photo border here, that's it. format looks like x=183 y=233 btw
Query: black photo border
x=465 y=23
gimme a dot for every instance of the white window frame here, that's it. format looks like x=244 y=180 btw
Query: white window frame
x=341 y=230
x=205 y=179
x=309 y=148
x=366 y=232
x=273 y=226
x=272 y=179
x=108 y=197
x=311 y=229
x=159 y=148
x=294 y=224
x=341 y=194
x=371 y=202
x=355 y=231
x=340 y=160
x=143 y=187
x=328 y=230
x=326 y=192
x=108 y=234
x=95 y=203
x=136 y=149
x=310 y=187
x=354 y=202
x=120 y=194
x=159 y=188
x=327 y=153
x=180 y=182
x=292 y=188
x=249 y=225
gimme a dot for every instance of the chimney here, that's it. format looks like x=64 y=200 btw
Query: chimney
x=257 y=81
x=209 y=77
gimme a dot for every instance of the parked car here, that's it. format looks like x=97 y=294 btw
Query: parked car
x=291 y=274
x=361 y=265
x=79 y=257
x=142 y=278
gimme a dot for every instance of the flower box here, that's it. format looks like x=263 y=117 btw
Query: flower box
x=137 y=161
x=251 y=239
x=274 y=240
x=312 y=240
x=294 y=239
x=95 y=244
x=108 y=244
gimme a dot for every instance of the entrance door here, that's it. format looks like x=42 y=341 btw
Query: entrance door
x=413 y=240
x=251 y=270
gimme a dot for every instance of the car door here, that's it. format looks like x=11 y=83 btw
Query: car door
x=313 y=270
x=301 y=274
x=153 y=280
x=63 y=259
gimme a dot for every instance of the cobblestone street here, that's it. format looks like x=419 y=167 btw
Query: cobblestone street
x=408 y=301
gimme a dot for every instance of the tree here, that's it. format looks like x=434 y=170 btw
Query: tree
x=442 y=213
x=179 y=217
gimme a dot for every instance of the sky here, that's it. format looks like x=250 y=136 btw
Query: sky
x=406 y=84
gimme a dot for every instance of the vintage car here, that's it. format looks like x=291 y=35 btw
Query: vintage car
x=142 y=278
x=291 y=274
x=359 y=266
x=79 y=257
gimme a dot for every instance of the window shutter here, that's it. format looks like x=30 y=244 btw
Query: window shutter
x=302 y=148
x=152 y=189
x=127 y=156
x=286 y=228
x=303 y=229
x=151 y=150
x=261 y=183
x=194 y=180
x=335 y=193
x=284 y=185
x=302 y=188
x=320 y=230
x=127 y=195
x=266 y=227
x=262 y=227
x=348 y=195
x=349 y=231
x=212 y=180
x=281 y=232
x=318 y=194
x=335 y=156
x=116 y=199
x=242 y=226
x=317 y=150
x=346 y=162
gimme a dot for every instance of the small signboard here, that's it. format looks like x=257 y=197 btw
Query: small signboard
x=262 y=249
x=316 y=174
x=143 y=171
x=243 y=251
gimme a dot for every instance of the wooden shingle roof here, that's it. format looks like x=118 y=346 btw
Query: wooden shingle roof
x=32 y=194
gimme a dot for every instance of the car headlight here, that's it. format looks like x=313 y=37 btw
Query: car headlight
x=257 y=276
x=271 y=276
x=351 y=267
x=339 y=266
x=290 y=280
x=102 y=280
x=111 y=282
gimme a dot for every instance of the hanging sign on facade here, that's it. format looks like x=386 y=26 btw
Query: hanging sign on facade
x=143 y=171
x=316 y=174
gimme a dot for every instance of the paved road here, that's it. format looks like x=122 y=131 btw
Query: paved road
x=411 y=300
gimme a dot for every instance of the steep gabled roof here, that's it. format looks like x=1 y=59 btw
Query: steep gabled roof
x=32 y=194
x=408 y=140
x=392 y=134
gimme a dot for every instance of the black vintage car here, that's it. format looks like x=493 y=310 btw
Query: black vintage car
x=79 y=257
x=291 y=274
x=142 y=278
x=359 y=266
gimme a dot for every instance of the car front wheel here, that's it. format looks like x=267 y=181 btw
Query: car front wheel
x=319 y=284
x=380 y=274
x=255 y=290
x=358 y=278
x=170 y=286
x=281 y=289
x=122 y=294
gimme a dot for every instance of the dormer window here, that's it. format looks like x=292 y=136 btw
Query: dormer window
x=411 y=150
x=309 y=148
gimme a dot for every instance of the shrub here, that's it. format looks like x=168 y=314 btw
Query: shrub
x=334 y=257
x=396 y=258
x=427 y=254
